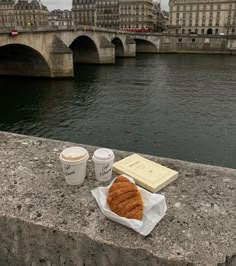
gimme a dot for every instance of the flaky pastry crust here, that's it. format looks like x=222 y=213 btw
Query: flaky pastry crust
x=125 y=199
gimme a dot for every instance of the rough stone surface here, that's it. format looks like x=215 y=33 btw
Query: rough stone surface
x=44 y=221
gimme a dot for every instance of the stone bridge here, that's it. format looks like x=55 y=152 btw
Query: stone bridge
x=51 y=53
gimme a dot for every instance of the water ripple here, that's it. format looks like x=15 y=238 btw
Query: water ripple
x=179 y=106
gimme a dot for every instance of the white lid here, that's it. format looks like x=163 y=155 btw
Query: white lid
x=74 y=154
x=103 y=154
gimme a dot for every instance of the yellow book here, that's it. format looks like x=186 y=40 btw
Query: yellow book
x=150 y=175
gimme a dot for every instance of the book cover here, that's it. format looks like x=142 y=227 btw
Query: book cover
x=148 y=174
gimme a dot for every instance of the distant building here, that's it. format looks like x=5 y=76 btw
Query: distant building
x=136 y=14
x=60 y=18
x=160 y=17
x=203 y=16
x=29 y=14
x=84 y=12
x=166 y=17
x=108 y=14
x=114 y=14
x=7 y=13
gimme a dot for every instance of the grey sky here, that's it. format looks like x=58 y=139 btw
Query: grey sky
x=66 y=4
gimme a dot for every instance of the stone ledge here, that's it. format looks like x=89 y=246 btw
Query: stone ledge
x=43 y=221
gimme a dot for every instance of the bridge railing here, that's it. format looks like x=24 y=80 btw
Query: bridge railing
x=71 y=28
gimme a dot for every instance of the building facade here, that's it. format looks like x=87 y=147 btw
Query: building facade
x=203 y=16
x=108 y=14
x=136 y=14
x=116 y=14
x=166 y=18
x=160 y=18
x=60 y=18
x=84 y=12
x=7 y=13
x=28 y=14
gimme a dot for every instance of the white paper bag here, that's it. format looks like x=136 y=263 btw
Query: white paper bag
x=154 y=209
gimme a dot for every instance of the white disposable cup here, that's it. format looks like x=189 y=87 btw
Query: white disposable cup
x=74 y=164
x=103 y=160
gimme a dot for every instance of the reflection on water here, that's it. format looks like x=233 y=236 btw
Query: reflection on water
x=178 y=106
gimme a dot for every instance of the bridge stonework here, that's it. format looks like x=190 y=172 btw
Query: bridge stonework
x=52 y=53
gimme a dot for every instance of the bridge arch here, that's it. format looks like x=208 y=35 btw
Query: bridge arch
x=119 y=47
x=145 y=46
x=85 y=50
x=22 y=60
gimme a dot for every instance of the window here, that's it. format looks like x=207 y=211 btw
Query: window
x=216 y=31
x=233 y=31
x=202 y=31
x=193 y=40
x=180 y=40
x=183 y=31
x=177 y=31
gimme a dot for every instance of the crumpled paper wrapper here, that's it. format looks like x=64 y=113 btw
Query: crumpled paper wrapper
x=154 y=209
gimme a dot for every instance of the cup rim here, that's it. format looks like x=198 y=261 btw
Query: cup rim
x=102 y=161
x=78 y=161
x=95 y=159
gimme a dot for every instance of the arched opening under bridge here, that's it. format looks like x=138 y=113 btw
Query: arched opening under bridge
x=119 y=48
x=84 y=51
x=144 y=46
x=22 y=60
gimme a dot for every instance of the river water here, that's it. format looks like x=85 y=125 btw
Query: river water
x=177 y=106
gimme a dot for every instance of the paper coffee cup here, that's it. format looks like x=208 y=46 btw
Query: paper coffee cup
x=74 y=163
x=103 y=161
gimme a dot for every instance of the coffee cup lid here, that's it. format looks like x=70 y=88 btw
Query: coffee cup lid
x=103 y=154
x=74 y=154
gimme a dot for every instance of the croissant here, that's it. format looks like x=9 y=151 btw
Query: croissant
x=125 y=199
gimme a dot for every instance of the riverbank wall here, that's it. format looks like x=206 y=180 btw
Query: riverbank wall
x=44 y=221
x=201 y=44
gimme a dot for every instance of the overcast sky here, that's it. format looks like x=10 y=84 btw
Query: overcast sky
x=66 y=4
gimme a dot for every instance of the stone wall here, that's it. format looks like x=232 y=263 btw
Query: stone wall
x=198 y=44
x=44 y=221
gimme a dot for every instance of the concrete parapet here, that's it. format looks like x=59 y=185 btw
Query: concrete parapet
x=44 y=221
